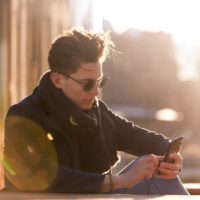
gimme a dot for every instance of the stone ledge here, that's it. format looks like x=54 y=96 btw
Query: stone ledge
x=193 y=188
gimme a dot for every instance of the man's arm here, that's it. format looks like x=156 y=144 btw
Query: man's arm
x=31 y=164
x=170 y=170
x=133 y=139
x=144 y=167
x=141 y=168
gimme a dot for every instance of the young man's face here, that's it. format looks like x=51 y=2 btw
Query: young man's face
x=75 y=91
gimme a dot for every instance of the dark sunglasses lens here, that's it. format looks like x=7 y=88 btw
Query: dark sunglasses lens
x=103 y=82
x=89 y=85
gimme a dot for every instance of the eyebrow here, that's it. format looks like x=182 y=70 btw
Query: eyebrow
x=88 y=79
x=100 y=77
x=82 y=67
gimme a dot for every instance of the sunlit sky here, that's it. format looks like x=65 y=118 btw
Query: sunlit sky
x=177 y=17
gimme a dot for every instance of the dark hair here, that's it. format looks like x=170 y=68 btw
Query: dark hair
x=74 y=47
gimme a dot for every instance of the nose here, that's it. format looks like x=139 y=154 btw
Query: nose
x=95 y=90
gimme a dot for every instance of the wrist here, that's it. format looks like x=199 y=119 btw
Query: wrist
x=127 y=181
x=114 y=182
x=123 y=181
x=120 y=181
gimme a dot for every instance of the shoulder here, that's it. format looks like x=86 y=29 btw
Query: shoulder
x=29 y=108
x=24 y=118
x=103 y=106
x=107 y=112
x=106 y=109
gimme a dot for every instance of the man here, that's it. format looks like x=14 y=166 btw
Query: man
x=63 y=139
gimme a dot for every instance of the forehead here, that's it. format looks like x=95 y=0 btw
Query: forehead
x=89 y=70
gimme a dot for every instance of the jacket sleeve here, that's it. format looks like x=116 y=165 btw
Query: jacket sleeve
x=134 y=139
x=31 y=164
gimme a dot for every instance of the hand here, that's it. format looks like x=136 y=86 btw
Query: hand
x=170 y=170
x=143 y=167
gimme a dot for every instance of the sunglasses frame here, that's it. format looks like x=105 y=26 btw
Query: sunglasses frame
x=87 y=86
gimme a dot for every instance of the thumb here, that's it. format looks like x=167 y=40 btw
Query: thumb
x=160 y=158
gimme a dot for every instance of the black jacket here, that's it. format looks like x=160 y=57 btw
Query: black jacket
x=53 y=146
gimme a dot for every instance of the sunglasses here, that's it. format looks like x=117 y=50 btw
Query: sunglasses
x=89 y=84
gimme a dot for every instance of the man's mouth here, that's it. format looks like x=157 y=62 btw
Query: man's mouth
x=89 y=101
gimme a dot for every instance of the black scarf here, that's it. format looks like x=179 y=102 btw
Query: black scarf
x=75 y=124
x=69 y=115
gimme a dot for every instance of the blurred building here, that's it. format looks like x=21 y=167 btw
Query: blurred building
x=27 y=28
x=143 y=74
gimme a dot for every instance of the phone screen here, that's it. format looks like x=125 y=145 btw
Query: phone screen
x=173 y=147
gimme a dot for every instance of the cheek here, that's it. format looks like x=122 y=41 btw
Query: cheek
x=75 y=94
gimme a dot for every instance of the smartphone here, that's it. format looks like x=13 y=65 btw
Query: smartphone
x=174 y=146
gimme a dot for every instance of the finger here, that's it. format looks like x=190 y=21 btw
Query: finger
x=154 y=159
x=172 y=166
x=177 y=167
x=150 y=173
x=177 y=158
x=169 y=172
x=164 y=176
x=150 y=170
x=153 y=165
x=160 y=158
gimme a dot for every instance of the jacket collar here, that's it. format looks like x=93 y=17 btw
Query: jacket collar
x=73 y=120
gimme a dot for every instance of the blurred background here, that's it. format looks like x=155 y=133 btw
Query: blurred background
x=154 y=79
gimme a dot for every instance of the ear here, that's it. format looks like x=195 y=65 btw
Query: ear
x=56 y=79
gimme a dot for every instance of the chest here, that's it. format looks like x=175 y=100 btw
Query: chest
x=85 y=151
